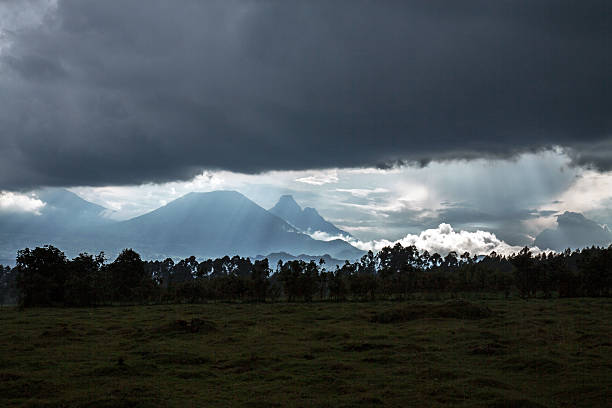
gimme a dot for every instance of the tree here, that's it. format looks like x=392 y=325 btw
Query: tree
x=185 y=270
x=596 y=270
x=289 y=275
x=525 y=277
x=129 y=280
x=309 y=281
x=337 y=284
x=259 y=280
x=41 y=275
x=80 y=287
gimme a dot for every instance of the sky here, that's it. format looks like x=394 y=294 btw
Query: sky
x=390 y=118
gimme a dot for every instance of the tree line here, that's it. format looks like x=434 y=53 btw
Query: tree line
x=44 y=276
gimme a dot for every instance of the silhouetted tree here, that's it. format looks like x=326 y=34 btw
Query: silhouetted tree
x=525 y=275
x=128 y=277
x=83 y=274
x=44 y=276
x=41 y=276
x=259 y=280
x=596 y=267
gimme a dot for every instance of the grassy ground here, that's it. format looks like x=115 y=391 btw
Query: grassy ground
x=533 y=353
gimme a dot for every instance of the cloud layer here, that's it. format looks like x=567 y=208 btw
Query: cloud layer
x=110 y=93
x=441 y=240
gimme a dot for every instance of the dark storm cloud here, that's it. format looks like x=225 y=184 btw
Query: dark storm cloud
x=109 y=92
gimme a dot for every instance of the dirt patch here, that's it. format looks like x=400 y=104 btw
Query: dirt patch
x=27 y=389
x=380 y=360
x=458 y=309
x=240 y=366
x=114 y=371
x=360 y=347
x=515 y=403
x=488 y=383
x=541 y=365
x=323 y=335
x=339 y=367
x=440 y=375
x=180 y=358
x=9 y=377
x=195 y=325
x=369 y=401
x=489 y=349
x=189 y=375
x=59 y=332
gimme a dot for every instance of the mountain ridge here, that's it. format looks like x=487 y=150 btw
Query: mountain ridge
x=308 y=220
x=203 y=224
x=223 y=222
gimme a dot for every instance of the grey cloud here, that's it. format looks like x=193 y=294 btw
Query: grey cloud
x=594 y=155
x=133 y=91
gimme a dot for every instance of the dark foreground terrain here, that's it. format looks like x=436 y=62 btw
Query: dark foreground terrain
x=494 y=353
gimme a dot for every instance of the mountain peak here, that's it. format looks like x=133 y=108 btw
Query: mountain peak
x=573 y=230
x=60 y=200
x=288 y=200
x=218 y=223
x=286 y=207
x=308 y=220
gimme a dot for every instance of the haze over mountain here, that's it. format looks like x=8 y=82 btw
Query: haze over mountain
x=61 y=210
x=64 y=219
x=306 y=220
x=202 y=224
x=220 y=223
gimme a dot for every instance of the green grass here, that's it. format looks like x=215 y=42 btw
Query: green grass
x=498 y=353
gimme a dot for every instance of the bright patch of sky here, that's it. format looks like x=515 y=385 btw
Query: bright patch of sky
x=514 y=199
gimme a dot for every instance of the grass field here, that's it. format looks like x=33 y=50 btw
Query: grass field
x=491 y=353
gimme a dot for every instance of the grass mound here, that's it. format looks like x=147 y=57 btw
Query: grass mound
x=456 y=309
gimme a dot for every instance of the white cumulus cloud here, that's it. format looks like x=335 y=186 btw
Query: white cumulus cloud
x=14 y=202
x=441 y=240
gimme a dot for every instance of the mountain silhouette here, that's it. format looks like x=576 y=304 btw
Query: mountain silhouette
x=573 y=231
x=63 y=210
x=307 y=220
x=210 y=224
x=219 y=223
x=65 y=220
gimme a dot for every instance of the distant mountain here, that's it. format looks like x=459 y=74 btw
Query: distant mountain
x=202 y=224
x=215 y=224
x=63 y=210
x=573 y=231
x=66 y=220
x=307 y=220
